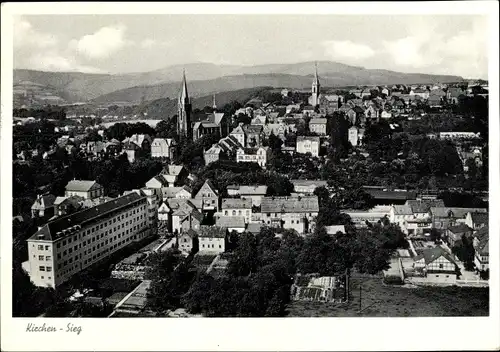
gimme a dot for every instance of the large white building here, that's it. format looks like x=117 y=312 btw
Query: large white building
x=69 y=244
x=253 y=155
x=84 y=188
x=308 y=144
x=163 y=148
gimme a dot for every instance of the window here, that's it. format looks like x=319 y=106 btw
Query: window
x=40 y=257
x=40 y=248
x=64 y=243
x=41 y=268
x=225 y=212
x=49 y=269
x=440 y=266
x=59 y=256
x=59 y=245
x=69 y=240
x=48 y=258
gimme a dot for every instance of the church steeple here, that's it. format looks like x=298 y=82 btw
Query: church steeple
x=214 y=104
x=315 y=87
x=184 y=110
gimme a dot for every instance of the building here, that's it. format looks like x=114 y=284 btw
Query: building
x=253 y=155
x=213 y=154
x=354 y=136
x=207 y=198
x=458 y=135
x=231 y=223
x=70 y=244
x=175 y=175
x=334 y=229
x=43 y=206
x=237 y=207
x=185 y=241
x=355 y=115
x=184 y=111
x=294 y=213
x=163 y=148
x=184 y=215
x=252 y=192
x=211 y=124
x=454 y=234
x=132 y=150
x=318 y=126
x=307 y=187
x=84 y=189
x=315 y=89
x=443 y=217
x=476 y=220
x=436 y=265
x=308 y=144
x=212 y=239
x=239 y=134
x=481 y=247
x=143 y=141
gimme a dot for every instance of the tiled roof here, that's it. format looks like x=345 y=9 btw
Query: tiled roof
x=212 y=231
x=322 y=121
x=52 y=230
x=80 y=185
x=461 y=228
x=170 y=192
x=423 y=206
x=254 y=227
x=236 y=203
x=308 y=138
x=402 y=210
x=230 y=221
x=172 y=169
x=401 y=195
x=317 y=183
x=480 y=218
x=44 y=202
x=290 y=204
x=431 y=254
x=253 y=129
x=253 y=190
x=333 y=229
x=457 y=212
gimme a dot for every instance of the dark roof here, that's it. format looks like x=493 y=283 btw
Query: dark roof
x=289 y=204
x=212 y=231
x=53 y=229
x=431 y=254
x=459 y=228
x=480 y=218
x=424 y=206
x=378 y=194
x=81 y=185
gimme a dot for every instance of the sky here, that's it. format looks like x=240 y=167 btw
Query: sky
x=434 y=44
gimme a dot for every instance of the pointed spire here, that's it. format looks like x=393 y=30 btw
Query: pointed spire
x=184 y=91
x=214 y=105
x=316 y=79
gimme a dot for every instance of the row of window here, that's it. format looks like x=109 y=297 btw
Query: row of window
x=45 y=268
x=208 y=246
x=42 y=258
x=40 y=247
x=234 y=212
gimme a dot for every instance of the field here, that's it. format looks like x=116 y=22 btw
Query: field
x=379 y=300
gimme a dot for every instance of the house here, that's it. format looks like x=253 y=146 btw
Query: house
x=253 y=135
x=213 y=154
x=211 y=124
x=132 y=150
x=254 y=155
x=175 y=175
x=476 y=220
x=254 y=227
x=212 y=239
x=183 y=192
x=355 y=135
x=207 y=198
x=252 y=192
x=164 y=219
x=67 y=205
x=163 y=148
x=434 y=101
x=308 y=144
x=481 y=247
x=458 y=135
x=386 y=114
x=454 y=234
x=423 y=93
x=95 y=148
x=231 y=223
x=85 y=189
x=185 y=241
x=237 y=207
x=318 y=126
x=295 y=213
x=436 y=265
x=43 y=206
x=307 y=186
x=453 y=93
x=355 y=115
x=157 y=182
x=143 y=141
x=372 y=113
x=443 y=217
x=184 y=215
x=239 y=134
x=361 y=217
x=113 y=147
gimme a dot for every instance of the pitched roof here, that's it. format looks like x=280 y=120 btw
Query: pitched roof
x=381 y=194
x=402 y=210
x=317 y=183
x=308 y=138
x=173 y=170
x=480 y=218
x=431 y=254
x=81 y=185
x=423 y=206
x=170 y=192
x=160 y=179
x=230 y=221
x=212 y=231
x=59 y=227
x=457 y=212
x=253 y=190
x=254 y=227
x=44 y=202
x=307 y=204
x=333 y=229
x=253 y=129
x=460 y=228
x=236 y=203
x=318 y=120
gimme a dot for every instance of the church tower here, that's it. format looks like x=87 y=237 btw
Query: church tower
x=315 y=88
x=214 y=105
x=184 y=111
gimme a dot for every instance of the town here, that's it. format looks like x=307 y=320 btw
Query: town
x=315 y=202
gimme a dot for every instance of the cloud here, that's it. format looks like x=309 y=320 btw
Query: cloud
x=463 y=52
x=347 y=49
x=102 y=43
x=53 y=61
x=26 y=36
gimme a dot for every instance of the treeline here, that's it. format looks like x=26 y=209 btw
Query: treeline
x=54 y=112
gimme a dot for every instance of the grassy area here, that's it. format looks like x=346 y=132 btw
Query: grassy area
x=379 y=300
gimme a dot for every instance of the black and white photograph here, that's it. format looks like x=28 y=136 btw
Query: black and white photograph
x=218 y=165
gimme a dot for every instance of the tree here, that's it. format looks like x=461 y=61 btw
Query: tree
x=244 y=258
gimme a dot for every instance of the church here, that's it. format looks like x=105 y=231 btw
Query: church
x=327 y=104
